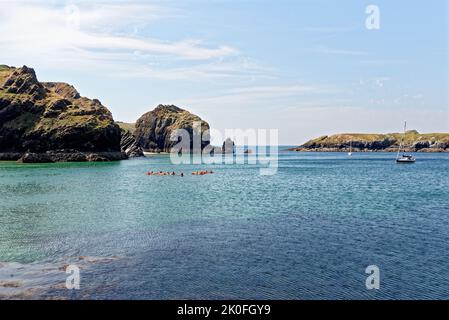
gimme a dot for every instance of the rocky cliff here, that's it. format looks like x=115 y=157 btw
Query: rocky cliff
x=128 y=143
x=50 y=121
x=413 y=142
x=154 y=128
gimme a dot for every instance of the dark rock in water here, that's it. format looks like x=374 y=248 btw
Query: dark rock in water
x=129 y=145
x=65 y=155
x=228 y=146
x=38 y=117
x=30 y=157
x=70 y=156
x=106 y=156
x=215 y=150
x=10 y=156
x=155 y=128
x=96 y=157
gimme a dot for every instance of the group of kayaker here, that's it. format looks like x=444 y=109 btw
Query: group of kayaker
x=202 y=173
x=161 y=173
x=167 y=173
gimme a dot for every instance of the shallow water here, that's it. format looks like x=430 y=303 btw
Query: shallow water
x=307 y=232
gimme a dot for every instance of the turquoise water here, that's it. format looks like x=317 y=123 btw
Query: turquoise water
x=307 y=232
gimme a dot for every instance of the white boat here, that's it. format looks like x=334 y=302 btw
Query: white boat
x=350 y=148
x=404 y=158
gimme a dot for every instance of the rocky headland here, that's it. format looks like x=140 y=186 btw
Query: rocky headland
x=154 y=129
x=360 y=142
x=51 y=121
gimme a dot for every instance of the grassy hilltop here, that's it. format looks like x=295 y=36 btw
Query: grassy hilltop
x=413 y=142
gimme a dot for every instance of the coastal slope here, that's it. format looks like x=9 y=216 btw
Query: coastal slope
x=361 y=142
x=51 y=121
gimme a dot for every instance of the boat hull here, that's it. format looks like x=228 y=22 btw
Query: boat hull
x=405 y=160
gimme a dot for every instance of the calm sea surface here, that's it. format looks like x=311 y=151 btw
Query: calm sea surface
x=307 y=232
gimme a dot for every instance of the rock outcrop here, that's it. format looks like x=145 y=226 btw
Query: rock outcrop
x=413 y=142
x=228 y=146
x=128 y=143
x=46 y=121
x=154 y=129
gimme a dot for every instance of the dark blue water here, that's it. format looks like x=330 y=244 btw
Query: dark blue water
x=307 y=232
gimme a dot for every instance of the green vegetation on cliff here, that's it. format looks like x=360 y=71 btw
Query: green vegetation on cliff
x=130 y=127
x=44 y=116
x=412 y=141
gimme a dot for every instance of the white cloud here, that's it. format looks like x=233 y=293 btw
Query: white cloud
x=86 y=35
x=231 y=68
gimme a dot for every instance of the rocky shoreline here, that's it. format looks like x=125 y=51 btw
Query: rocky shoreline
x=413 y=141
x=427 y=150
x=51 y=122
x=62 y=156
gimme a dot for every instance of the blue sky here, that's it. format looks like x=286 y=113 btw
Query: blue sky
x=305 y=67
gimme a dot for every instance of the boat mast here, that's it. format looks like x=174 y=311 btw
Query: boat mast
x=402 y=138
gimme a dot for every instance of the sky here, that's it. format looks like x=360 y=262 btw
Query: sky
x=305 y=67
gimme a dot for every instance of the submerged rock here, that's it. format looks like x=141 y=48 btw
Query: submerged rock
x=155 y=128
x=36 y=118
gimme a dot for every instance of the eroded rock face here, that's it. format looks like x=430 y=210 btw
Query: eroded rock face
x=24 y=81
x=63 y=89
x=38 y=117
x=129 y=145
x=155 y=128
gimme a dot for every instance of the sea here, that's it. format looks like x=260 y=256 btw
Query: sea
x=314 y=229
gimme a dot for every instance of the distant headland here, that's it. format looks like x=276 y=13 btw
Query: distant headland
x=362 y=142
